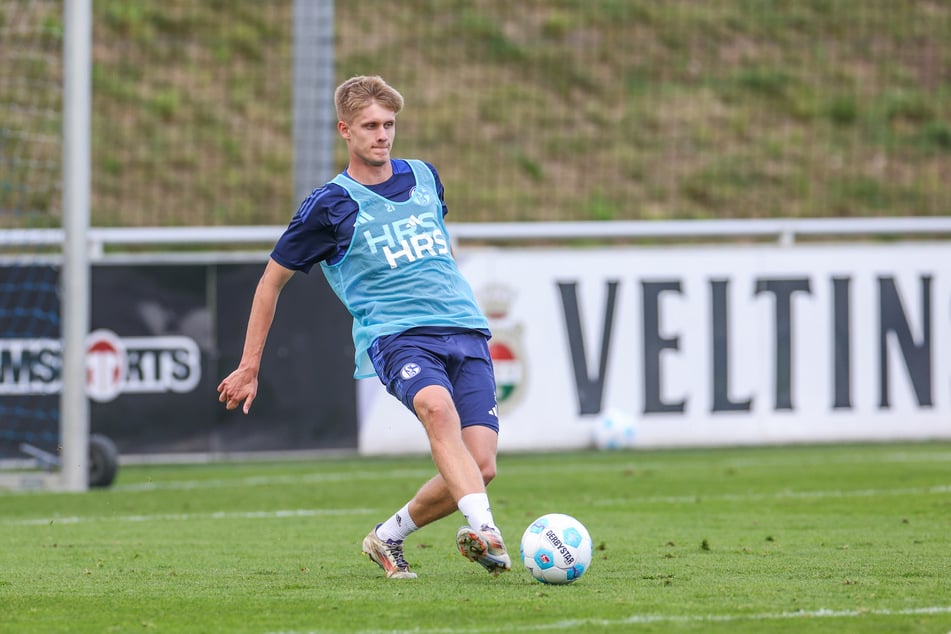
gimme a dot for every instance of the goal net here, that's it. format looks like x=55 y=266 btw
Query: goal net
x=31 y=213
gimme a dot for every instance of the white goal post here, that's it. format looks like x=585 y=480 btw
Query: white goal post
x=77 y=125
x=45 y=152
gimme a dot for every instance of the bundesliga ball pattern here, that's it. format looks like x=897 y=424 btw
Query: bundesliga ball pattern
x=556 y=548
x=615 y=430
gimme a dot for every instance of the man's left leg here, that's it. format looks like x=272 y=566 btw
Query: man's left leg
x=433 y=500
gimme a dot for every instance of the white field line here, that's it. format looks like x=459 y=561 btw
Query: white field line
x=184 y=517
x=292 y=513
x=653 y=619
x=307 y=478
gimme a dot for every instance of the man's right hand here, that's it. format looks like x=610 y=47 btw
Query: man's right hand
x=239 y=386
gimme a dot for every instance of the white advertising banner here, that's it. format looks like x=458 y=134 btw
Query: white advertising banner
x=702 y=346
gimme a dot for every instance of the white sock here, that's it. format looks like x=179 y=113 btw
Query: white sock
x=398 y=527
x=475 y=506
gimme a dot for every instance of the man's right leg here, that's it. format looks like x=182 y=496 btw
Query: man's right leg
x=457 y=466
x=462 y=477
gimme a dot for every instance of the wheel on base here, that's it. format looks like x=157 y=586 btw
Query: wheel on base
x=103 y=461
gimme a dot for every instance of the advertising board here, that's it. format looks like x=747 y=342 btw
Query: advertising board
x=163 y=336
x=707 y=345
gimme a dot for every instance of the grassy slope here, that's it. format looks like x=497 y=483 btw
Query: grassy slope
x=554 y=109
x=686 y=109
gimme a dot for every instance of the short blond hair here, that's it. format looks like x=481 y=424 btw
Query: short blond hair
x=358 y=92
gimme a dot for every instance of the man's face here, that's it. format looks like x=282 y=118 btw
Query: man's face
x=370 y=135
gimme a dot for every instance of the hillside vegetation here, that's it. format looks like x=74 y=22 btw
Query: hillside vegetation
x=540 y=110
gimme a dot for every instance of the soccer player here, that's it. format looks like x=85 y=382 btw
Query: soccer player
x=378 y=232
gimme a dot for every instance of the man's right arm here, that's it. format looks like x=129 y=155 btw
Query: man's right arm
x=241 y=386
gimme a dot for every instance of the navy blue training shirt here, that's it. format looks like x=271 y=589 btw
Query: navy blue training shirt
x=322 y=228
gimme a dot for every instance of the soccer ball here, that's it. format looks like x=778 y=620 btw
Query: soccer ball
x=556 y=548
x=614 y=429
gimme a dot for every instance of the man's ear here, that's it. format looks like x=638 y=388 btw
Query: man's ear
x=343 y=129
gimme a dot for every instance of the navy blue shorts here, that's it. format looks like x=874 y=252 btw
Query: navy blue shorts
x=460 y=362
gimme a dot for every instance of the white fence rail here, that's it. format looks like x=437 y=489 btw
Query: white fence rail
x=104 y=241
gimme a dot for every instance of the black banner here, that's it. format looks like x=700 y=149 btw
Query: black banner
x=163 y=336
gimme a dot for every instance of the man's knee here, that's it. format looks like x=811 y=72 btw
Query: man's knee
x=434 y=402
x=485 y=458
x=488 y=472
x=482 y=442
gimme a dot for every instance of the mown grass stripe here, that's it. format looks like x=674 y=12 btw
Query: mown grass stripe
x=777 y=495
x=636 y=461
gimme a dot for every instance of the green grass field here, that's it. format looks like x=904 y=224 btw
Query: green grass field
x=818 y=539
